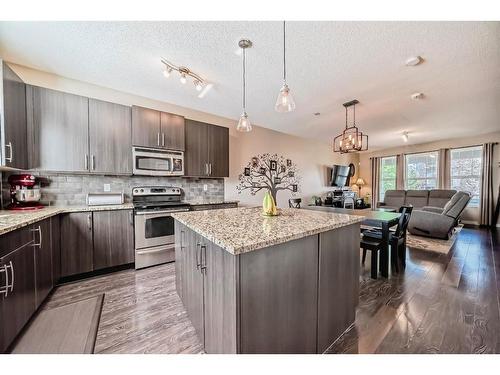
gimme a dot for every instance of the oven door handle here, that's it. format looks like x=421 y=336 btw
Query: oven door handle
x=161 y=212
x=143 y=252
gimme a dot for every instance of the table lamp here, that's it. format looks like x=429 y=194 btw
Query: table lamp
x=360 y=183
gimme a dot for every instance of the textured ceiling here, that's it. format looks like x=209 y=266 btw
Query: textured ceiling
x=328 y=63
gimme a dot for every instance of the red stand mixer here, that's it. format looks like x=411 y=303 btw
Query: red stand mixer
x=24 y=192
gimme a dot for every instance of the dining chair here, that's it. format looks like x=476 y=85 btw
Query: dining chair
x=294 y=202
x=372 y=240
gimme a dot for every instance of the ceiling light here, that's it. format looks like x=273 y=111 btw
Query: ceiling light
x=199 y=83
x=351 y=139
x=244 y=124
x=205 y=90
x=405 y=136
x=417 y=96
x=284 y=102
x=414 y=61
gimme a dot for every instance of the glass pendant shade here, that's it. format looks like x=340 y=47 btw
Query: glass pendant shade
x=285 y=102
x=244 y=124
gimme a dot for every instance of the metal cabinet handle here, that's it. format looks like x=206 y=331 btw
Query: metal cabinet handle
x=11 y=153
x=5 y=288
x=86 y=162
x=89 y=221
x=206 y=169
x=131 y=217
x=39 y=230
x=9 y=285
x=198 y=259
x=163 y=139
x=182 y=239
x=93 y=162
x=203 y=256
x=210 y=169
x=158 y=139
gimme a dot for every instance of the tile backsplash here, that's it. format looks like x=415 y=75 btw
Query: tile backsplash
x=60 y=189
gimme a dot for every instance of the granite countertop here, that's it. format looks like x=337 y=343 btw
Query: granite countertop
x=244 y=229
x=12 y=220
x=202 y=201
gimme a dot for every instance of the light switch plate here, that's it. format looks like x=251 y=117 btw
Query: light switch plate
x=205 y=187
x=107 y=187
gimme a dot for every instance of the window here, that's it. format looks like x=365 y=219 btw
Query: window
x=387 y=175
x=465 y=171
x=421 y=171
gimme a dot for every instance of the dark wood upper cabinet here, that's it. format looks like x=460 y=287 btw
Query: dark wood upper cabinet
x=172 y=131
x=60 y=131
x=13 y=120
x=196 y=157
x=146 y=127
x=113 y=238
x=76 y=243
x=110 y=138
x=43 y=259
x=207 y=150
x=218 y=151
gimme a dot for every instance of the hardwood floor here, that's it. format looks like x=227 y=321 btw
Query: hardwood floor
x=440 y=304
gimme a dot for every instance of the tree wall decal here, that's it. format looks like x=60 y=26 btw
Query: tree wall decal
x=269 y=172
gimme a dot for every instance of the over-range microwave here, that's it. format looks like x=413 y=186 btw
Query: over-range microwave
x=157 y=162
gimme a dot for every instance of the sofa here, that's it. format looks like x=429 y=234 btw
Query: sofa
x=437 y=222
x=394 y=199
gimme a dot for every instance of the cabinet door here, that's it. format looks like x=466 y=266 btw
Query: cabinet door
x=19 y=304
x=145 y=127
x=76 y=243
x=55 y=238
x=110 y=136
x=220 y=299
x=113 y=238
x=218 y=148
x=180 y=237
x=43 y=260
x=60 y=122
x=15 y=153
x=193 y=282
x=196 y=156
x=172 y=131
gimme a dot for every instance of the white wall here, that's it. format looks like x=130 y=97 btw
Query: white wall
x=311 y=157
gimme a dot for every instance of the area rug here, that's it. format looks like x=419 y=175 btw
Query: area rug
x=433 y=244
x=71 y=328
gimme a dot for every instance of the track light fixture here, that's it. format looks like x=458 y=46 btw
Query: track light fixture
x=199 y=83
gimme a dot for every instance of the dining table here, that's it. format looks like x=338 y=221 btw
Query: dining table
x=372 y=218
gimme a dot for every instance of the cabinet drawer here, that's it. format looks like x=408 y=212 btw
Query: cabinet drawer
x=14 y=240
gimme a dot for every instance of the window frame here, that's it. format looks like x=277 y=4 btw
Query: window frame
x=381 y=196
x=426 y=178
x=472 y=203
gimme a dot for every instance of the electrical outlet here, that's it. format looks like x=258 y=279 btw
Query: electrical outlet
x=205 y=187
x=107 y=187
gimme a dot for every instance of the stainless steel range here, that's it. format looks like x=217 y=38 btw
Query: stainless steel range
x=154 y=225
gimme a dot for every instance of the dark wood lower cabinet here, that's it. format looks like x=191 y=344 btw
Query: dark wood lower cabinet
x=43 y=260
x=76 y=243
x=113 y=238
x=18 y=302
x=295 y=297
x=55 y=237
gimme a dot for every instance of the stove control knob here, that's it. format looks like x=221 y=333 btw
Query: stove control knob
x=142 y=190
x=136 y=190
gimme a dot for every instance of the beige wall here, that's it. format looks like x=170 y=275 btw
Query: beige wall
x=312 y=157
x=471 y=214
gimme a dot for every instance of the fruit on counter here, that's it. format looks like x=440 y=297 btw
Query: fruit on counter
x=268 y=205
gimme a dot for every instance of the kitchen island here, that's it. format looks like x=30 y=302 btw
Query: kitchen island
x=255 y=284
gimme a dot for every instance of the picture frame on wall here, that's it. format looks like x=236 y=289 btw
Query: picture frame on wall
x=295 y=188
x=282 y=169
x=262 y=170
x=255 y=162
x=246 y=172
x=291 y=174
x=277 y=180
x=288 y=162
x=273 y=165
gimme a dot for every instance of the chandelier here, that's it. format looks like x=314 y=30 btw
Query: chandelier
x=351 y=139
x=184 y=73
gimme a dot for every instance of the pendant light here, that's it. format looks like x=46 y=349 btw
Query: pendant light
x=285 y=102
x=244 y=124
x=351 y=139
